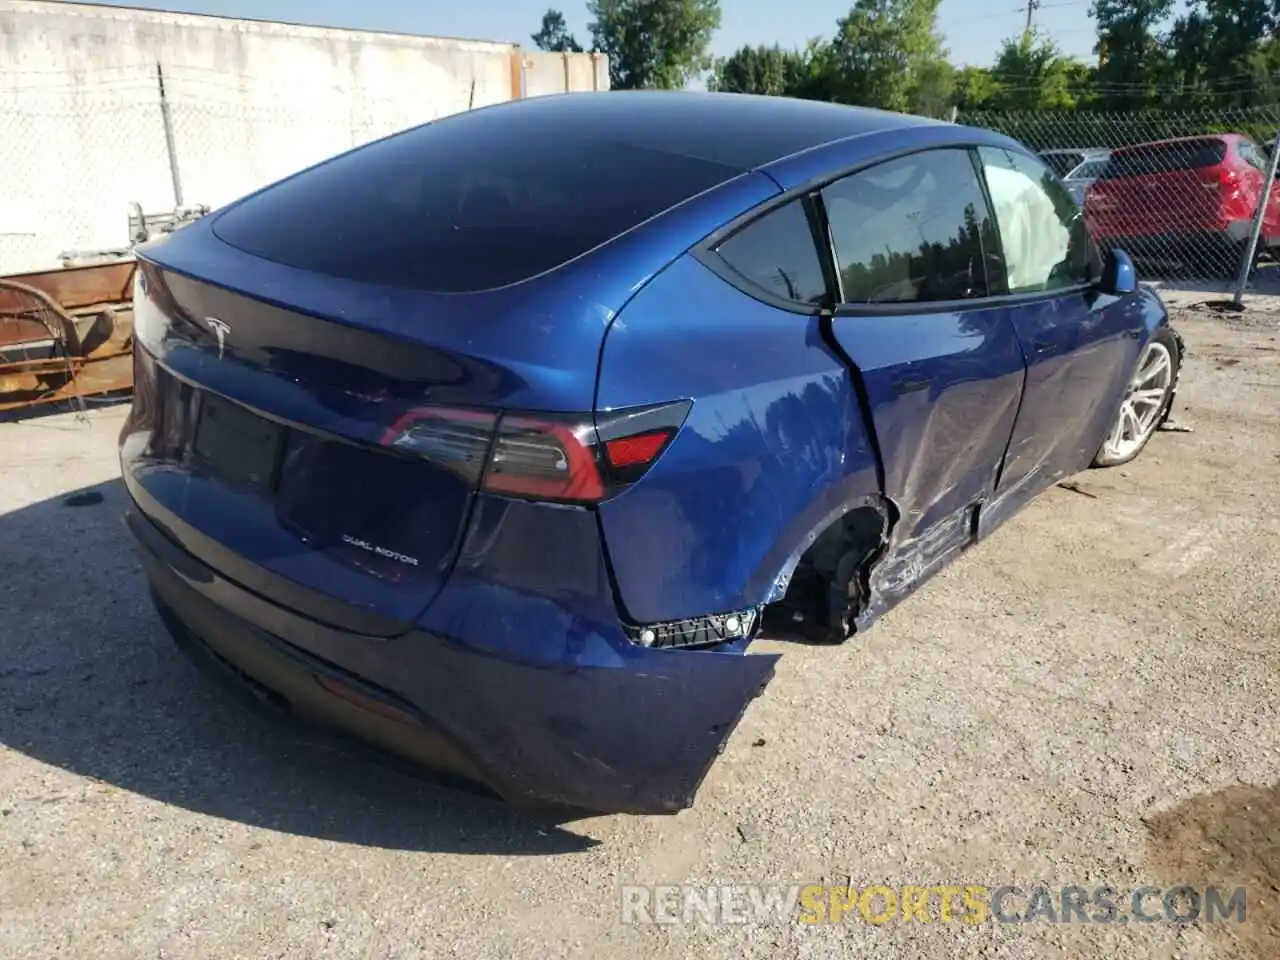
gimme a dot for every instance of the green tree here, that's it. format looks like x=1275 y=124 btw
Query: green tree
x=975 y=89
x=1131 y=58
x=815 y=76
x=554 y=35
x=885 y=51
x=1217 y=55
x=659 y=44
x=1033 y=76
x=933 y=92
x=765 y=70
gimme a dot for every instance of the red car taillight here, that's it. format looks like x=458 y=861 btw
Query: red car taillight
x=1221 y=179
x=567 y=459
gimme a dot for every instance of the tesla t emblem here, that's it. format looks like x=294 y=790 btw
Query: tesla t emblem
x=220 y=330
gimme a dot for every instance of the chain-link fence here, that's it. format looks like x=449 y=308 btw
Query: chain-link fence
x=1179 y=191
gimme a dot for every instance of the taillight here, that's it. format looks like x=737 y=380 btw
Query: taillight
x=1220 y=179
x=545 y=460
x=567 y=459
x=626 y=452
x=457 y=440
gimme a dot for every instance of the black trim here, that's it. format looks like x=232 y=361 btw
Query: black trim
x=954 y=306
x=1001 y=290
x=744 y=286
x=630 y=421
x=820 y=227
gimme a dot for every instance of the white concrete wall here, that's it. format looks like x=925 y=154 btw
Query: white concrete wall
x=546 y=73
x=81 y=130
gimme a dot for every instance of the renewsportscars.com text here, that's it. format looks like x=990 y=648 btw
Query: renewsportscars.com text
x=938 y=903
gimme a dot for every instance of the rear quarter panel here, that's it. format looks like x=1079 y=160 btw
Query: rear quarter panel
x=775 y=442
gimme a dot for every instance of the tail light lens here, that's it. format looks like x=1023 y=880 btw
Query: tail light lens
x=566 y=459
x=458 y=440
x=545 y=460
x=1221 y=180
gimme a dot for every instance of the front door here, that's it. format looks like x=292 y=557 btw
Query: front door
x=1080 y=346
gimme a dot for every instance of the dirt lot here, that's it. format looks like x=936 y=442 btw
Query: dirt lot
x=1090 y=698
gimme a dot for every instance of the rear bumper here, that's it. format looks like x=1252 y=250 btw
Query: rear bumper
x=635 y=736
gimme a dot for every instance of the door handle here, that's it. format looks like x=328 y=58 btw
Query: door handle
x=910 y=386
x=1042 y=346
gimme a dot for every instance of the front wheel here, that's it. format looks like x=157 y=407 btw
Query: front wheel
x=1146 y=401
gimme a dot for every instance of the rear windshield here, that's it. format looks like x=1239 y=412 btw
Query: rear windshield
x=1165 y=158
x=469 y=203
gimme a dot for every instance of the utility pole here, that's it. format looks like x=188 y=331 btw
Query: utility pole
x=1032 y=7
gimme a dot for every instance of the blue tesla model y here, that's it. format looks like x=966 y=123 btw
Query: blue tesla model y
x=497 y=441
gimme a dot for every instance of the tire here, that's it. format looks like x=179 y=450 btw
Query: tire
x=1137 y=420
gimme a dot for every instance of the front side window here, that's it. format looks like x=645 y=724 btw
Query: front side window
x=1044 y=241
x=909 y=230
x=777 y=254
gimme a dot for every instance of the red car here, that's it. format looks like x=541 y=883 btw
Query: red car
x=1190 y=200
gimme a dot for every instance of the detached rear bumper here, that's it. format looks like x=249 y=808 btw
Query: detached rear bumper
x=635 y=737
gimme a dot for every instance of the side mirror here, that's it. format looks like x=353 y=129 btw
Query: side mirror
x=1119 y=276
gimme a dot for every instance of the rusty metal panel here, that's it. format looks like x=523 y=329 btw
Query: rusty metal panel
x=65 y=334
x=75 y=287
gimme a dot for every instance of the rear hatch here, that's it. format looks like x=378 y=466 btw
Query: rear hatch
x=1174 y=187
x=322 y=368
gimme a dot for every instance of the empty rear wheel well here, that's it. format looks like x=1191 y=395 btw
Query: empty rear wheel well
x=831 y=585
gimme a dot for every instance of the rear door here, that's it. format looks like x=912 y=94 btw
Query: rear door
x=941 y=366
x=1080 y=346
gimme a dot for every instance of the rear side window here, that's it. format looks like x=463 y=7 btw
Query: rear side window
x=468 y=203
x=777 y=254
x=911 y=230
x=1165 y=158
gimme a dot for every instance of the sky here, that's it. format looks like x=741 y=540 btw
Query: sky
x=973 y=29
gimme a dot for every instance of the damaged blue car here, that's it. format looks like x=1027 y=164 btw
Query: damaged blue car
x=496 y=442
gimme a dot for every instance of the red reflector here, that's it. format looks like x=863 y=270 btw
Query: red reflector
x=633 y=451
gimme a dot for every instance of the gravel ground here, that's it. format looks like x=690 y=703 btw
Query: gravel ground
x=1089 y=698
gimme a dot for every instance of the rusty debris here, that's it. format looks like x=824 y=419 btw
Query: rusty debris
x=66 y=334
